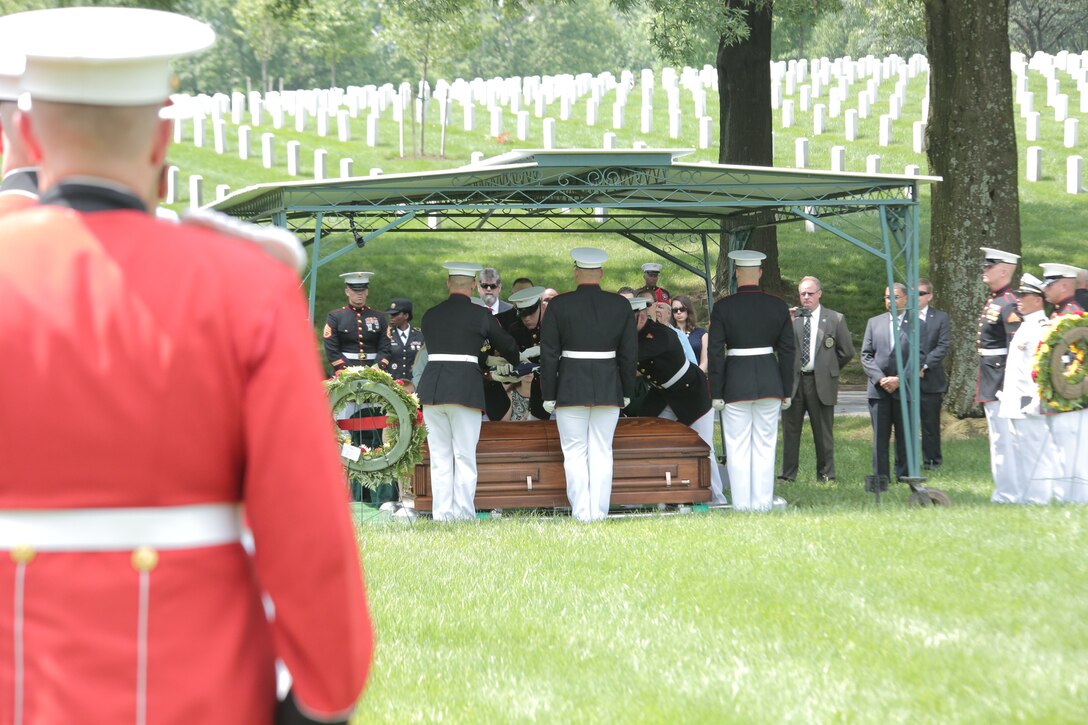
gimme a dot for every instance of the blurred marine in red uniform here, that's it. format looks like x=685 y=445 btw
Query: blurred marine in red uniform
x=159 y=383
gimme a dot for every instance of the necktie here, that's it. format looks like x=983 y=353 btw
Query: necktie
x=806 y=338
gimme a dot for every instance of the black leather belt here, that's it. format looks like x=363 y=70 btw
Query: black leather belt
x=808 y=372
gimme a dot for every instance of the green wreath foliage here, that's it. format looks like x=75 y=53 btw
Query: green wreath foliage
x=404 y=435
x=1061 y=371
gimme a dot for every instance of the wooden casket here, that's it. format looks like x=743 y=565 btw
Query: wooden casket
x=520 y=465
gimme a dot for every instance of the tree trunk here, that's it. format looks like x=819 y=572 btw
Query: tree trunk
x=744 y=93
x=971 y=143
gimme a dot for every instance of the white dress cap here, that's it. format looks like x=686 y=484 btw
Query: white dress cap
x=526 y=298
x=996 y=255
x=360 y=279
x=1053 y=271
x=747 y=258
x=462 y=269
x=640 y=303
x=651 y=267
x=11 y=74
x=1029 y=283
x=588 y=257
x=102 y=56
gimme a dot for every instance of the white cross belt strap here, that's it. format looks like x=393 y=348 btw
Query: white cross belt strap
x=120 y=529
x=590 y=354
x=443 y=357
x=357 y=356
x=746 y=351
x=984 y=352
x=679 y=374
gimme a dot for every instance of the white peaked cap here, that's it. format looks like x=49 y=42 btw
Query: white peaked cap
x=462 y=269
x=747 y=258
x=526 y=297
x=352 y=278
x=1031 y=283
x=102 y=56
x=1053 y=271
x=996 y=255
x=640 y=303
x=651 y=267
x=11 y=74
x=588 y=257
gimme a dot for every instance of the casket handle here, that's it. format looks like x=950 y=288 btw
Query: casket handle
x=529 y=482
x=668 y=478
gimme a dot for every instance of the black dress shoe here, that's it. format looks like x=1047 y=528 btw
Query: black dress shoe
x=784 y=479
x=827 y=479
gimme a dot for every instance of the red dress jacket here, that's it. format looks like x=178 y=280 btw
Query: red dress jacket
x=151 y=364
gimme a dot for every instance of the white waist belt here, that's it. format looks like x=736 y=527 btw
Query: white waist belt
x=679 y=374
x=443 y=357
x=590 y=354
x=986 y=352
x=745 y=351
x=357 y=356
x=120 y=529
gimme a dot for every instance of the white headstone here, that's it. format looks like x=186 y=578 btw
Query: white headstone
x=549 y=133
x=800 y=153
x=198 y=131
x=838 y=158
x=863 y=105
x=806 y=97
x=912 y=170
x=885 y=130
x=267 y=150
x=564 y=107
x=173 y=176
x=196 y=191
x=617 y=115
x=496 y=121
x=674 y=124
x=1072 y=125
x=1027 y=103
x=322 y=123
x=1035 y=163
x=376 y=171
x=647 y=125
x=919 y=137
x=872 y=164
x=894 y=106
x=221 y=191
x=300 y=119
x=343 y=126
x=609 y=141
x=523 y=125
x=1031 y=131
x=476 y=157
x=321 y=157
x=1073 y=174
x=255 y=107
x=237 y=107
x=819 y=119
x=851 y=123
x=787 y=113
x=294 y=158
x=179 y=130
x=706 y=132
x=470 y=117
x=592 y=109
x=1061 y=107
x=347 y=168
x=219 y=135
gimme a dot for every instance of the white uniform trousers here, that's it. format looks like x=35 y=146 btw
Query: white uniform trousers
x=585 y=434
x=1002 y=465
x=1070 y=433
x=705 y=428
x=1037 y=462
x=751 y=434
x=452 y=434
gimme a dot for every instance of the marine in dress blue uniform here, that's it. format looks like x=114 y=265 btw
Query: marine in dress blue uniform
x=405 y=341
x=678 y=389
x=451 y=389
x=751 y=359
x=996 y=325
x=588 y=351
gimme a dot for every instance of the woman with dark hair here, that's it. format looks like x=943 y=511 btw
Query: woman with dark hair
x=686 y=320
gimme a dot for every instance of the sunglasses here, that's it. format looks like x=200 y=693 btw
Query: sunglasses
x=488 y=285
x=679 y=309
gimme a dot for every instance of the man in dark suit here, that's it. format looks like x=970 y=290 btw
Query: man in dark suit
x=451 y=389
x=491 y=294
x=751 y=373
x=588 y=352
x=934 y=337
x=884 y=335
x=823 y=348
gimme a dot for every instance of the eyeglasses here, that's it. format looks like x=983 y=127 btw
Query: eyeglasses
x=489 y=285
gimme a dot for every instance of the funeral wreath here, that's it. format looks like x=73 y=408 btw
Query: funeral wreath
x=402 y=441
x=1060 y=368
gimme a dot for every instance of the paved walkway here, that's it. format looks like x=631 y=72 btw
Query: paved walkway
x=852 y=401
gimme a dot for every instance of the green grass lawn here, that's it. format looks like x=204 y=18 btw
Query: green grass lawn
x=835 y=610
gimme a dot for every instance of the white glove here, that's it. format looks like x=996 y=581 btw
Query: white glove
x=504 y=369
x=626 y=402
x=549 y=406
x=718 y=404
x=786 y=403
x=533 y=351
x=494 y=361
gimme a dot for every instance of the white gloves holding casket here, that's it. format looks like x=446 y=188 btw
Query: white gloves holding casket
x=531 y=352
x=549 y=406
x=718 y=404
x=786 y=403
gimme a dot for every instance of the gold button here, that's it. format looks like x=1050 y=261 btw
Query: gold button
x=145 y=559
x=23 y=554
